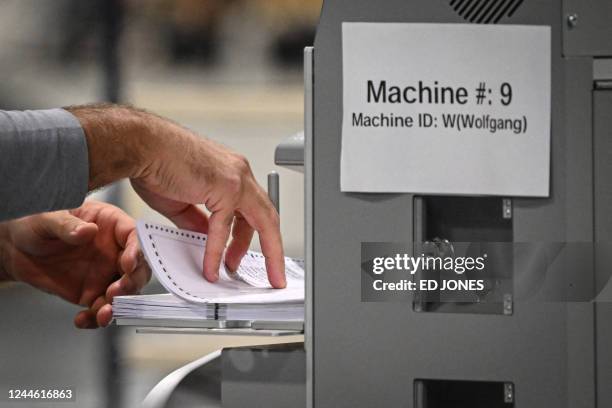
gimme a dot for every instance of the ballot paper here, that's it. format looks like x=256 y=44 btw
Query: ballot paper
x=169 y=307
x=176 y=257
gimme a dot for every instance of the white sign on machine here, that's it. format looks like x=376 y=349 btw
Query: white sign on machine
x=446 y=109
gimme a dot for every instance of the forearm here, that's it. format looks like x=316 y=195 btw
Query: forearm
x=120 y=141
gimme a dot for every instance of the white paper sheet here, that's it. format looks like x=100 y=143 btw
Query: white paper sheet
x=446 y=109
x=176 y=258
x=169 y=306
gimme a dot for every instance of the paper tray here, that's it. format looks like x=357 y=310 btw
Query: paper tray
x=218 y=327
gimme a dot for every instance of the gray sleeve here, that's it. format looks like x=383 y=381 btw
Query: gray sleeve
x=43 y=162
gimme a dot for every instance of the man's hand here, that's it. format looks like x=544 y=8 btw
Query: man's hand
x=173 y=170
x=86 y=256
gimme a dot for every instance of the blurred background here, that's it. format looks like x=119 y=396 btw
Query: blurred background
x=230 y=70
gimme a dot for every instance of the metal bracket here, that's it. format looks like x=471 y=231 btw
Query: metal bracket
x=508 y=393
x=508 y=304
x=507 y=208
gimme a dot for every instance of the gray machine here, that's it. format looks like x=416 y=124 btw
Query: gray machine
x=552 y=352
x=542 y=354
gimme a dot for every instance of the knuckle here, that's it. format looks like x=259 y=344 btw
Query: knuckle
x=236 y=177
x=242 y=164
x=234 y=184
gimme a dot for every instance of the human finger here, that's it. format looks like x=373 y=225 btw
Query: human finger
x=129 y=284
x=104 y=315
x=102 y=312
x=68 y=228
x=242 y=234
x=128 y=260
x=125 y=227
x=85 y=319
x=183 y=214
x=263 y=217
x=218 y=233
x=191 y=218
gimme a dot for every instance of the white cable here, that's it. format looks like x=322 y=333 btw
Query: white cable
x=158 y=396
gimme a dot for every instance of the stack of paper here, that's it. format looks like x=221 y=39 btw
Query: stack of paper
x=168 y=306
x=175 y=257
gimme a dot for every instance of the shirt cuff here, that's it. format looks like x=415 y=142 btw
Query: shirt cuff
x=74 y=158
x=45 y=152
